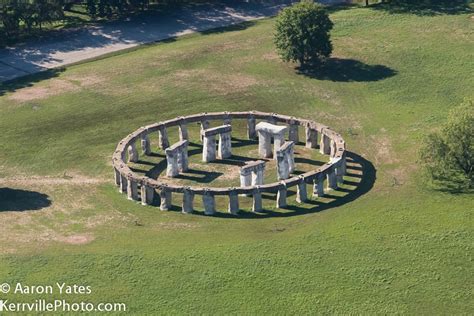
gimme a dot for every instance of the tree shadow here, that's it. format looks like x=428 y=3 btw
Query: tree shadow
x=23 y=82
x=17 y=200
x=347 y=70
x=436 y=7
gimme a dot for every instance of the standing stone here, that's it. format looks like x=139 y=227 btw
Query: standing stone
x=209 y=203
x=145 y=142
x=311 y=137
x=333 y=148
x=225 y=146
x=123 y=184
x=227 y=120
x=293 y=133
x=188 y=199
x=204 y=125
x=172 y=169
x=331 y=179
x=291 y=158
x=257 y=175
x=132 y=189
x=278 y=140
x=339 y=172
x=163 y=138
x=281 y=195
x=132 y=153
x=282 y=166
x=318 y=186
x=209 y=149
x=183 y=131
x=301 y=193
x=233 y=202
x=117 y=177
x=147 y=194
x=183 y=160
x=251 y=133
x=165 y=199
x=325 y=146
x=264 y=144
x=257 y=201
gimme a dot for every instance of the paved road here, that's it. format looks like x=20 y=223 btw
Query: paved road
x=72 y=46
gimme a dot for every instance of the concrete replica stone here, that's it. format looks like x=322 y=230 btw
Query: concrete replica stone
x=266 y=132
x=285 y=160
x=145 y=144
x=252 y=173
x=311 y=136
x=209 y=203
x=281 y=195
x=188 y=199
x=209 y=143
x=165 y=199
x=204 y=125
x=257 y=200
x=177 y=158
x=301 y=192
x=331 y=144
x=325 y=145
x=163 y=138
x=233 y=202
x=251 y=131
x=132 y=153
x=147 y=194
x=293 y=134
x=318 y=186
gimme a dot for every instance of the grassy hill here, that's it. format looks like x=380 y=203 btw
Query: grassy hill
x=398 y=247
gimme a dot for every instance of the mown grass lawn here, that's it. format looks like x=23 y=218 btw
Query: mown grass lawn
x=399 y=248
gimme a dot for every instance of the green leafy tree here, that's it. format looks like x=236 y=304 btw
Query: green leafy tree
x=302 y=33
x=448 y=155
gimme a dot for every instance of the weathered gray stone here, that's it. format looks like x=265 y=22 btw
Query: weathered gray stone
x=132 y=153
x=293 y=134
x=188 y=199
x=117 y=177
x=183 y=131
x=147 y=194
x=172 y=169
x=257 y=201
x=183 y=160
x=318 y=186
x=264 y=144
x=311 y=137
x=233 y=203
x=257 y=176
x=331 y=179
x=283 y=169
x=165 y=199
x=163 y=138
x=123 y=184
x=281 y=196
x=204 y=125
x=209 y=203
x=251 y=132
x=209 y=149
x=145 y=144
x=225 y=146
x=217 y=130
x=301 y=193
x=333 y=148
x=325 y=145
x=132 y=189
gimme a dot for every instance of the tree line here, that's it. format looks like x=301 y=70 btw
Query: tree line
x=23 y=17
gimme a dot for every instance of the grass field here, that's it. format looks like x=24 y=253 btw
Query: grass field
x=399 y=247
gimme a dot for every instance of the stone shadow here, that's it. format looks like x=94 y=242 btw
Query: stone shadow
x=347 y=70
x=355 y=163
x=18 y=200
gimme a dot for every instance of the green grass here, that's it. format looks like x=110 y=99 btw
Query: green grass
x=399 y=248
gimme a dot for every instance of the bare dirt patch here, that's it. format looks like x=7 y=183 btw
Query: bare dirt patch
x=52 y=87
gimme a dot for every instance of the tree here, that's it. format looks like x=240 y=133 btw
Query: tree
x=448 y=155
x=302 y=33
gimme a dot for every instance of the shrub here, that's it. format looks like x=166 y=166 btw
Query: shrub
x=302 y=33
x=448 y=155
